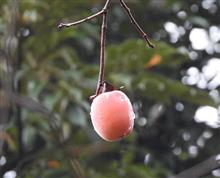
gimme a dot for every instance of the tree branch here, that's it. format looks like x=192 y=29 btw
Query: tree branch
x=136 y=25
x=102 y=48
x=201 y=169
x=104 y=12
x=62 y=25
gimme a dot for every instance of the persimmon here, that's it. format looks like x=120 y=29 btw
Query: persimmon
x=112 y=115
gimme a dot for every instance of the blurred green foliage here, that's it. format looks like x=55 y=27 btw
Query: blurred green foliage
x=60 y=68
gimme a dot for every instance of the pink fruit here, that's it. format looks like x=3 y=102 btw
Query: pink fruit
x=112 y=115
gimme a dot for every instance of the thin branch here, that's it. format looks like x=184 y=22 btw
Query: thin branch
x=62 y=25
x=134 y=22
x=102 y=48
x=201 y=169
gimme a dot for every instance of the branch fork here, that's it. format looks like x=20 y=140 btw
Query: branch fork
x=103 y=13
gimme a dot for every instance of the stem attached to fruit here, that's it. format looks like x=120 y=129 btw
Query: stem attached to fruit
x=102 y=49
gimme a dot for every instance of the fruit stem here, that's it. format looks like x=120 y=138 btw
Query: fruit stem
x=102 y=48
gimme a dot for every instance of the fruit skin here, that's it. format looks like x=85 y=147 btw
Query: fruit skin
x=112 y=115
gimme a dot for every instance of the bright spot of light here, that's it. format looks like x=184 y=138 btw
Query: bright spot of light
x=199 y=38
x=2 y=160
x=181 y=14
x=209 y=5
x=212 y=72
x=142 y=121
x=200 y=142
x=202 y=83
x=207 y=78
x=215 y=95
x=216 y=173
x=186 y=136
x=217 y=158
x=212 y=68
x=192 y=77
x=193 y=74
x=193 y=55
x=207 y=134
x=10 y=174
x=194 y=8
x=179 y=106
x=147 y=158
x=174 y=31
x=177 y=151
x=214 y=32
x=193 y=150
x=208 y=115
x=205 y=40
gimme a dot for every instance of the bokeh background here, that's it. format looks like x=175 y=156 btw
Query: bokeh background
x=174 y=88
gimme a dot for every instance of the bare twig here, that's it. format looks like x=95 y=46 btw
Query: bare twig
x=62 y=25
x=102 y=48
x=201 y=169
x=134 y=22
